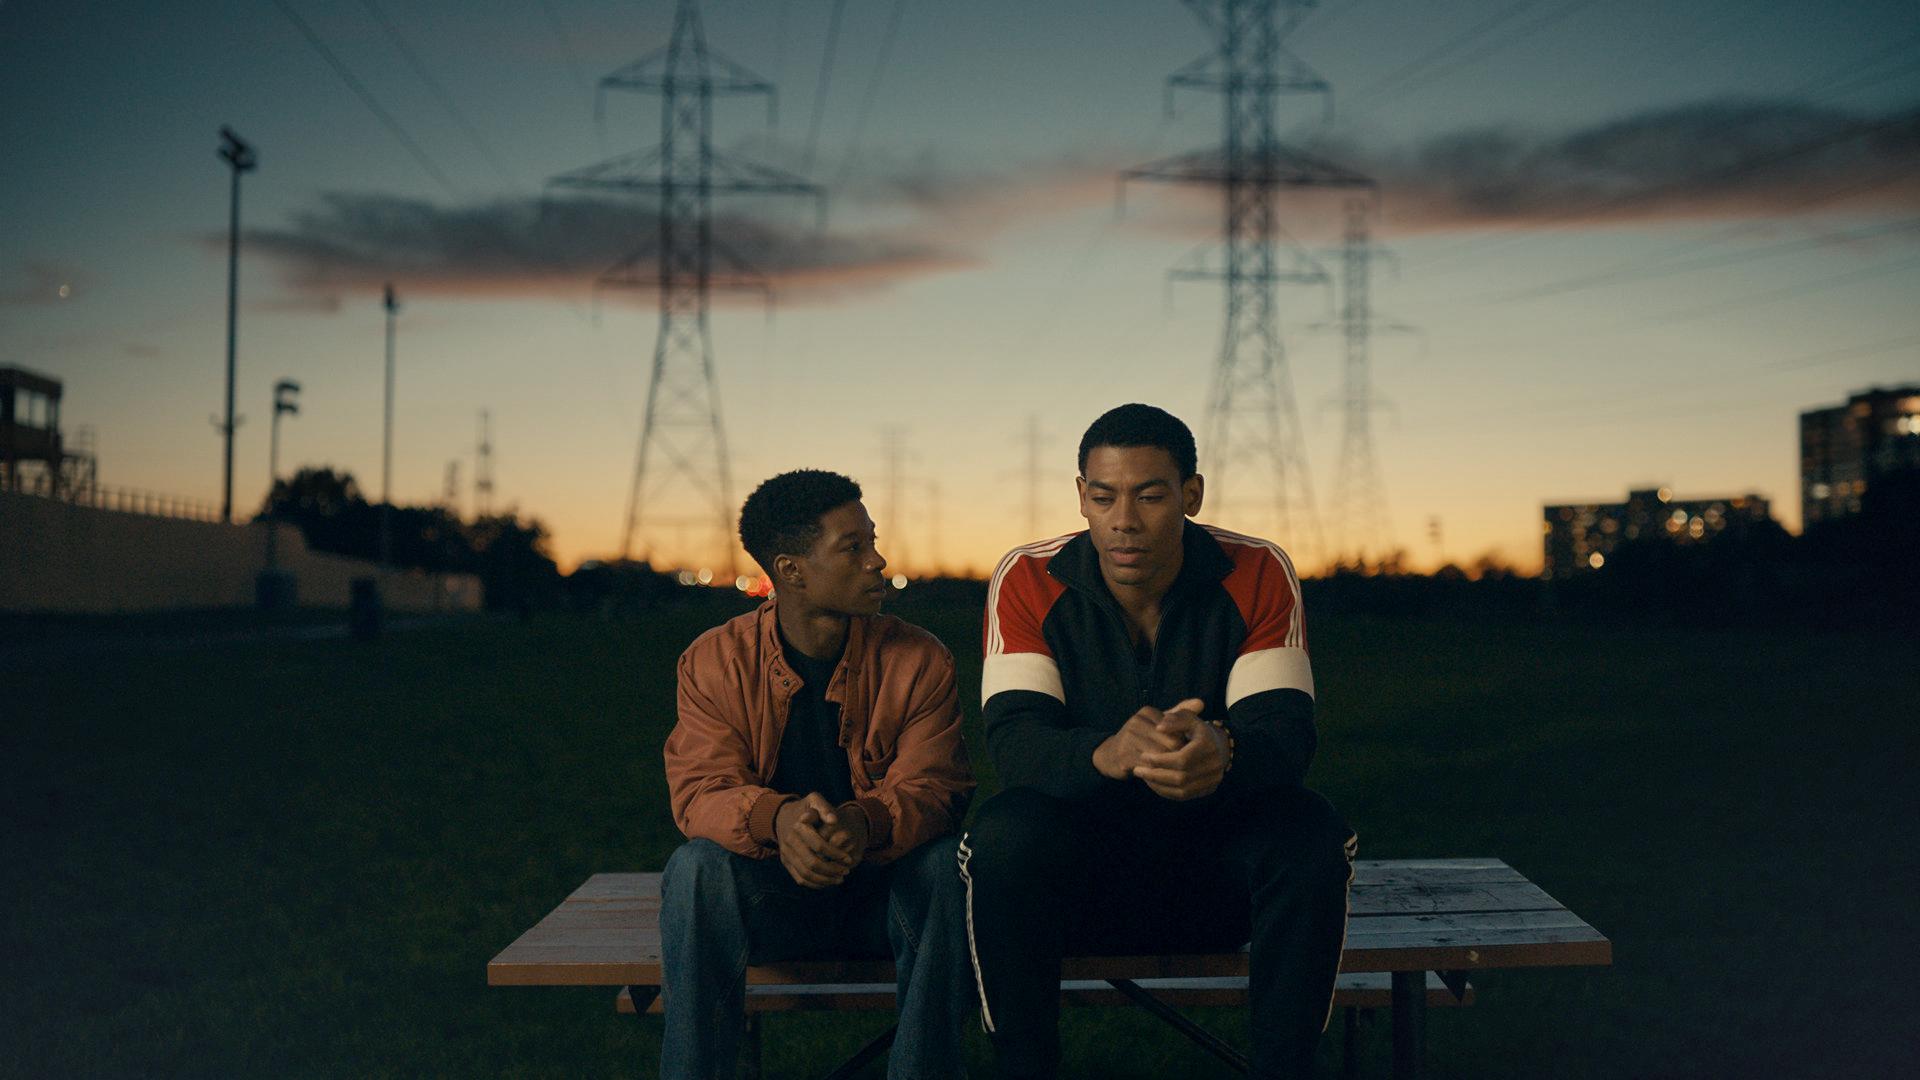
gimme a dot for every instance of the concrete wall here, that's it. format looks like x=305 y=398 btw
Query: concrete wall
x=56 y=556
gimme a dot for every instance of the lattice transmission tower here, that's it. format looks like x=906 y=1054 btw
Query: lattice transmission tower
x=1251 y=416
x=1361 y=529
x=682 y=429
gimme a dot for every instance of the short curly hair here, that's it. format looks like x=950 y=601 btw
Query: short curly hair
x=1142 y=425
x=782 y=516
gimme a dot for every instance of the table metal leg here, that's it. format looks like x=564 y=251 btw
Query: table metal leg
x=865 y=1054
x=1409 y=1023
x=1350 y=1043
x=1207 y=1040
x=750 y=1049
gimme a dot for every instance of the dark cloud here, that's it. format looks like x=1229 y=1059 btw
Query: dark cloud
x=1722 y=159
x=1711 y=160
x=556 y=247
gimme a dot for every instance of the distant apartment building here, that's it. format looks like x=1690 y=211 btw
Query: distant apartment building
x=1580 y=537
x=1845 y=448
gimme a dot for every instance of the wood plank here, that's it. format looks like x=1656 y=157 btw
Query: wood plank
x=1462 y=922
x=1402 y=899
x=1396 y=875
x=1471 y=862
x=616 y=886
x=1407 y=915
x=1359 y=991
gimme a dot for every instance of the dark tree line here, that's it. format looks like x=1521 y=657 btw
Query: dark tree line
x=508 y=555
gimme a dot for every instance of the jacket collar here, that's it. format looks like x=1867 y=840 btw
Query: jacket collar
x=1201 y=562
x=774 y=657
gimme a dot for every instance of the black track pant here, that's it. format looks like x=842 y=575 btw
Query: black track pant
x=1047 y=878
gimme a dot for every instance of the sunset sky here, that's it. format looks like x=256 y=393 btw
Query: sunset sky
x=1635 y=238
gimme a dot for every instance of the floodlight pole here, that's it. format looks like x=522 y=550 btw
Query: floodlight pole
x=286 y=394
x=240 y=156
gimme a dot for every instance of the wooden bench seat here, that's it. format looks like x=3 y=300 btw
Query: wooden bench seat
x=1360 y=990
x=1414 y=921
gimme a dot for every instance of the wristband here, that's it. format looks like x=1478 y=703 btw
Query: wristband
x=1222 y=726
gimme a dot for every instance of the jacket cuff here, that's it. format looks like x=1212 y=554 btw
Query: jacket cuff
x=760 y=818
x=879 y=822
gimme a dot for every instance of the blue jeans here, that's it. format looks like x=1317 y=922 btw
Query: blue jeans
x=721 y=911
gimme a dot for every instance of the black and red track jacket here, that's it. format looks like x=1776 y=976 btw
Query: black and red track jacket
x=1062 y=674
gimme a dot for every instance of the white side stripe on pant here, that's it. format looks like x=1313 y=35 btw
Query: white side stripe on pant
x=1346 y=919
x=973 y=950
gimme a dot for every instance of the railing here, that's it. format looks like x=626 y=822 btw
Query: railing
x=129 y=501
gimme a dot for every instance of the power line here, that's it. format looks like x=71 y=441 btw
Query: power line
x=873 y=91
x=439 y=91
x=1625 y=275
x=1692 y=245
x=1314 y=26
x=1427 y=78
x=1787 y=293
x=820 y=88
x=366 y=97
x=566 y=44
x=1440 y=52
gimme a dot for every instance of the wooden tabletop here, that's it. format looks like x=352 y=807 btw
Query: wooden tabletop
x=1407 y=915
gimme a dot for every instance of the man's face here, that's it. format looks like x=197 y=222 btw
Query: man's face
x=842 y=571
x=1136 y=506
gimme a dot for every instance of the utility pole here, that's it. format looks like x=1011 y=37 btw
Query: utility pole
x=1251 y=414
x=238 y=155
x=450 y=493
x=893 y=451
x=1033 y=476
x=936 y=564
x=483 y=469
x=392 y=306
x=682 y=422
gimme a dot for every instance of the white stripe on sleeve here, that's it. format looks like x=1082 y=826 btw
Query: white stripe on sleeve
x=1285 y=668
x=1021 y=671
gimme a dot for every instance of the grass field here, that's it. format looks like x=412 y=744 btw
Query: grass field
x=296 y=858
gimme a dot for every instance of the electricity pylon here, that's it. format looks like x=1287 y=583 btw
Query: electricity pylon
x=1360 y=522
x=1251 y=414
x=682 y=424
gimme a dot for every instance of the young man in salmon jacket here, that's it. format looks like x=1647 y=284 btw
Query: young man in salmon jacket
x=818 y=773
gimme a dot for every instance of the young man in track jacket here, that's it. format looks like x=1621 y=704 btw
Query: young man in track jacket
x=1149 y=709
x=818 y=773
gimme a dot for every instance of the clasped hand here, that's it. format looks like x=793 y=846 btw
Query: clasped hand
x=1175 y=753
x=820 y=844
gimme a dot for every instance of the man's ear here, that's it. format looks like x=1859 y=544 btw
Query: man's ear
x=787 y=573
x=1193 y=492
x=1080 y=489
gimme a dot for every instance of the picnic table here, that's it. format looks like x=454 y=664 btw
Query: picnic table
x=1420 y=925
